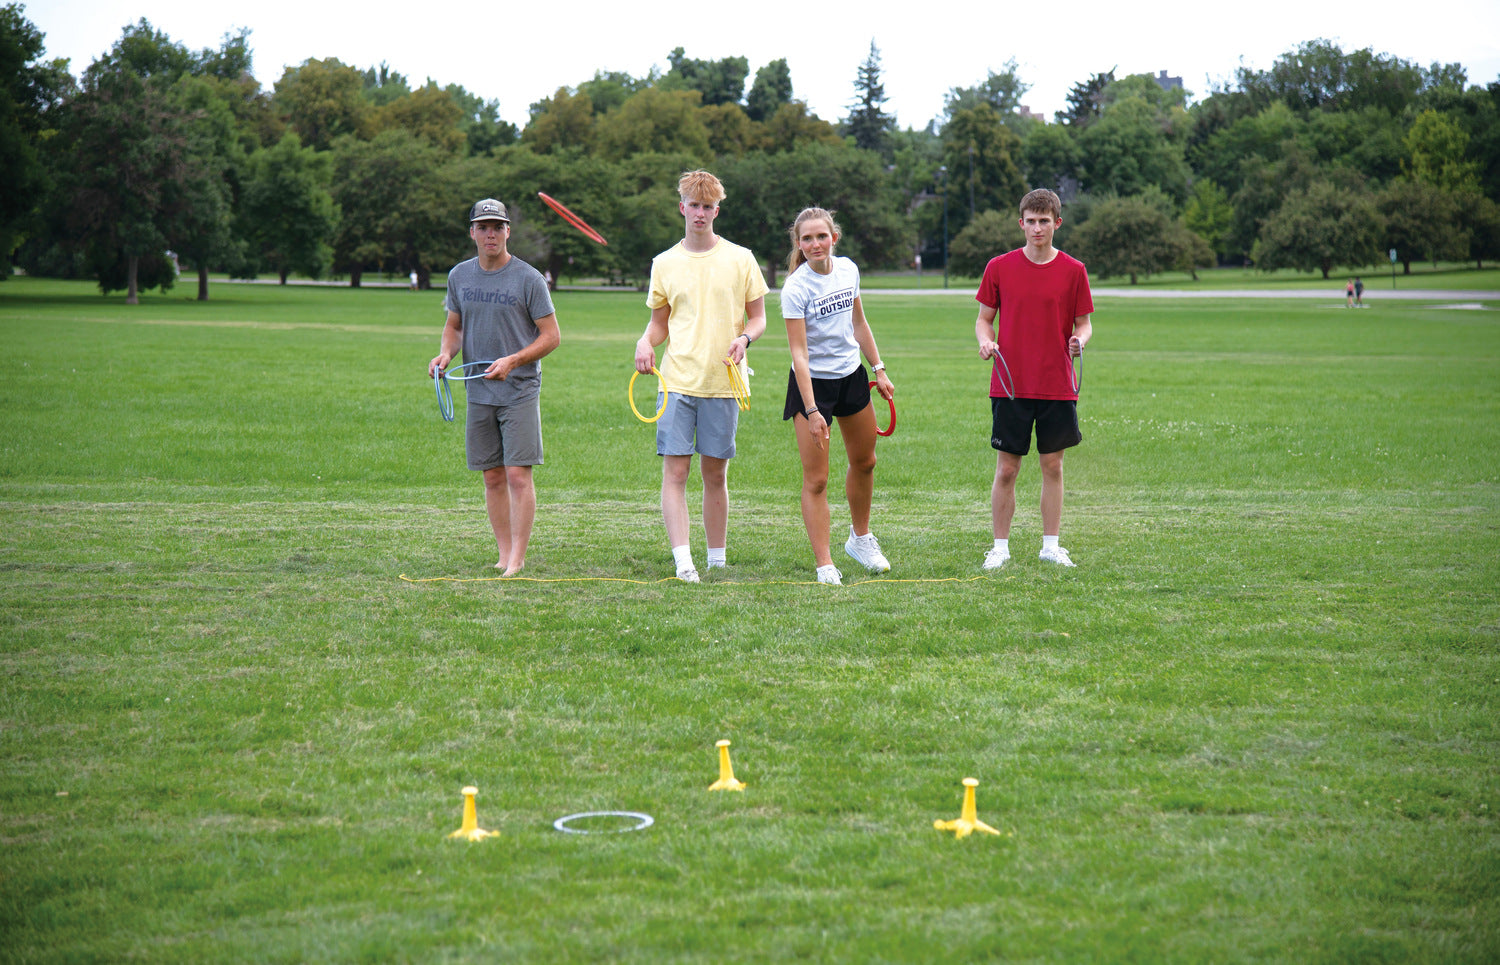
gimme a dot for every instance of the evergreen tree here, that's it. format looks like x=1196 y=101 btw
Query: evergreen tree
x=868 y=123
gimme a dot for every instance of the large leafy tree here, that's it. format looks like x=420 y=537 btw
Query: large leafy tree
x=1209 y=214
x=324 y=100
x=1002 y=90
x=286 y=210
x=772 y=88
x=765 y=192
x=989 y=234
x=1438 y=146
x=429 y=112
x=1133 y=144
x=564 y=120
x=30 y=91
x=480 y=121
x=142 y=157
x=718 y=81
x=1421 y=220
x=868 y=123
x=1086 y=100
x=399 y=208
x=982 y=156
x=1050 y=156
x=1323 y=227
x=1128 y=236
x=654 y=121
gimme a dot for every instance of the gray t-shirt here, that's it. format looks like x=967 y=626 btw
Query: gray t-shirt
x=498 y=310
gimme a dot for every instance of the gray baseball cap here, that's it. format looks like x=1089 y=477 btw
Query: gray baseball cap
x=488 y=210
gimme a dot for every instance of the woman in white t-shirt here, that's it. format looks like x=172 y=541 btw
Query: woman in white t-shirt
x=826 y=332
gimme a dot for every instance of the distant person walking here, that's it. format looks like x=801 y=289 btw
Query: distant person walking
x=826 y=332
x=499 y=308
x=1040 y=298
x=709 y=297
x=1349 y=294
x=1359 y=292
x=413 y=279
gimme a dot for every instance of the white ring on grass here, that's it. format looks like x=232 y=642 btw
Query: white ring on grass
x=644 y=821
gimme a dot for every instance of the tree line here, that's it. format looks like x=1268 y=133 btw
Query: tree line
x=1327 y=159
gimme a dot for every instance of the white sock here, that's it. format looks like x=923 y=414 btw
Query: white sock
x=683 y=556
x=1003 y=545
x=1049 y=542
x=716 y=557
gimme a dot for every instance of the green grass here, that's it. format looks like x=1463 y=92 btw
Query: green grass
x=1257 y=722
x=1377 y=280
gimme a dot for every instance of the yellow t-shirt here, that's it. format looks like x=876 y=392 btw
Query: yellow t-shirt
x=706 y=292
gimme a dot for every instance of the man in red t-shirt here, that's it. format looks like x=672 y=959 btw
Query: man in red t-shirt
x=1041 y=297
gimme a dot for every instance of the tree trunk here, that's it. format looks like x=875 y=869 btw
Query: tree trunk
x=354 y=274
x=771 y=273
x=202 y=283
x=132 y=295
x=424 y=278
x=1132 y=278
x=283 y=273
x=1405 y=267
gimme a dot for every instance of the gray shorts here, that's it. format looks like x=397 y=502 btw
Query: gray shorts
x=692 y=424
x=504 y=435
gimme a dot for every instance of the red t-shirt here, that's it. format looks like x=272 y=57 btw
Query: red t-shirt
x=1036 y=307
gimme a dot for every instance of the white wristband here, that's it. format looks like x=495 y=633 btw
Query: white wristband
x=879 y=367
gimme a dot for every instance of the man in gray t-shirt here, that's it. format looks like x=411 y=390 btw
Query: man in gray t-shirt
x=499 y=311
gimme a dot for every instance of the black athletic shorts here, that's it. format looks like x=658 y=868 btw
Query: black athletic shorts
x=1056 y=422
x=833 y=397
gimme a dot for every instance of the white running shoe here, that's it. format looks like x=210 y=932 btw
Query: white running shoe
x=1058 y=555
x=830 y=575
x=996 y=558
x=866 y=551
x=688 y=575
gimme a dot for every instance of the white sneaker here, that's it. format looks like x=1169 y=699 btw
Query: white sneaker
x=866 y=551
x=688 y=574
x=830 y=575
x=995 y=558
x=1058 y=555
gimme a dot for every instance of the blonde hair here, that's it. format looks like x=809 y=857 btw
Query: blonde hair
x=1042 y=201
x=700 y=186
x=809 y=214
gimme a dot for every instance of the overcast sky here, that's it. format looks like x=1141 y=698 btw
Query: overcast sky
x=521 y=53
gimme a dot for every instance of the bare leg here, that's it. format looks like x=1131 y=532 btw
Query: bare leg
x=1003 y=494
x=814 y=454
x=858 y=431
x=715 y=499
x=674 y=474
x=1052 y=492
x=497 y=505
x=522 y=492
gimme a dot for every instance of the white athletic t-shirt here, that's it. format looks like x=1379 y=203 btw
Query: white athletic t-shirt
x=826 y=304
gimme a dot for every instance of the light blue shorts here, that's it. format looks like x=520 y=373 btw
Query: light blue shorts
x=692 y=424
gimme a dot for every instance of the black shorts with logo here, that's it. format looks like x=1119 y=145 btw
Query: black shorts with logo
x=833 y=397
x=1056 y=422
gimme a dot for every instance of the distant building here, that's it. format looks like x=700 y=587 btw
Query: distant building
x=1168 y=83
x=1025 y=111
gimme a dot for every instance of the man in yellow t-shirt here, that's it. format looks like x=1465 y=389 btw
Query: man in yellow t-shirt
x=709 y=297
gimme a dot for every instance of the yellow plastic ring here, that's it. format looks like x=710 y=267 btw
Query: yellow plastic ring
x=631 y=394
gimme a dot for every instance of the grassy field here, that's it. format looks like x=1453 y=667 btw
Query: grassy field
x=1258 y=722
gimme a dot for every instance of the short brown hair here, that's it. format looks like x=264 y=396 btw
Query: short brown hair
x=1042 y=201
x=700 y=186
